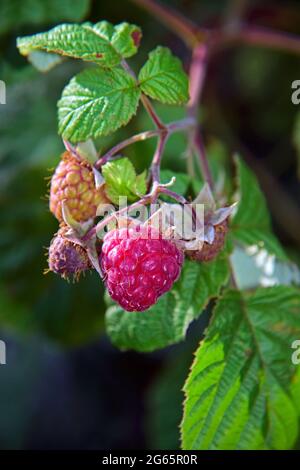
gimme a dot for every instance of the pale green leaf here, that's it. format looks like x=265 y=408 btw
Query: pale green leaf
x=121 y=180
x=44 y=61
x=238 y=394
x=97 y=102
x=254 y=267
x=102 y=43
x=167 y=322
x=251 y=225
x=163 y=78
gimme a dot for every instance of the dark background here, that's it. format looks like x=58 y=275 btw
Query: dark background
x=65 y=386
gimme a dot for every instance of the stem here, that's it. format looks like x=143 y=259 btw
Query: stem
x=203 y=162
x=193 y=34
x=94 y=230
x=176 y=126
x=131 y=140
x=264 y=37
x=197 y=77
x=182 y=26
x=175 y=196
x=145 y=101
x=155 y=167
x=148 y=198
x=71 y=149
x=152 y=113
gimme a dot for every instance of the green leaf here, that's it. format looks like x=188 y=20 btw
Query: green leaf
x=167 y=322
x=15 y=13
x=122 y=180
x=97 y=102
x=251 y=225
x=102 y=43
x=238 y=394
x=163 y=78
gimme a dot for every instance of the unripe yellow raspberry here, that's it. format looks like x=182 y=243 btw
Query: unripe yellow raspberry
x=73 y=182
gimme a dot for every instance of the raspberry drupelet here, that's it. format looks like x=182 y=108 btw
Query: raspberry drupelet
x=139 y=266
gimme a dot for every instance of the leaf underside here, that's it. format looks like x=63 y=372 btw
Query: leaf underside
x=252 y=225
x=102 y=42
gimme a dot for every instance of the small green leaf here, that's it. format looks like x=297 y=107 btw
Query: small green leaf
x=167 y=322
x=163 y=78
x=122 y=180
x=97 y=102
x=102 y=43
x=239 y=391
x=251 y=225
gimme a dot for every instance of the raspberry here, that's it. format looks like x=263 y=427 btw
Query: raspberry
x=139 y=266
x=210 y=251
x=73 y=181
x=67 y=258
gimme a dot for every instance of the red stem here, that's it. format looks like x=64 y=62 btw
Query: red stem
x=182 y=26
x=155 y=167
x=197 y=77
x=192 y=34
x=183 y=124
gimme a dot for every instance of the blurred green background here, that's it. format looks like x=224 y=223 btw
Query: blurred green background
x=65 y=385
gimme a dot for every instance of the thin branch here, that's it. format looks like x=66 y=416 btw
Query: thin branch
x=203 y=162
x=197 y=77
x=152 y=113
x=265 y=37
x=175 y=196
x=108 y=156
x=181 y=26
x=148 y=198
x=155 y=166
x=177 y=126
x=145 y=101
x=193 y=34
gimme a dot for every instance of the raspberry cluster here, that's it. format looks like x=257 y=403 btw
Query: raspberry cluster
x=139 y=266
x=138 y=263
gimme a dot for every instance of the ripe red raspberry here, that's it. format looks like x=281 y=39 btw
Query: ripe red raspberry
x=73 y=181
x=65 y=258
x=139 y=266
x=210 y=251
